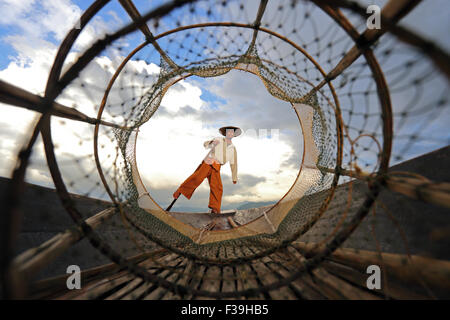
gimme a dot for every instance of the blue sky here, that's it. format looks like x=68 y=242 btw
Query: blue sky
x=193 y=110
x=198 y=100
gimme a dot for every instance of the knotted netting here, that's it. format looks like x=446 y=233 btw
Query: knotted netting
x=365 y=100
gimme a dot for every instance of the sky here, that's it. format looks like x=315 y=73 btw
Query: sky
x=186 y=118
x=269 y=149
x=170 y=144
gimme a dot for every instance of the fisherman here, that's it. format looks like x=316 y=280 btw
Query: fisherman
x=222 y=151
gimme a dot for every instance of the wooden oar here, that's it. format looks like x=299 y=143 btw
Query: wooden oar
x=170 y=206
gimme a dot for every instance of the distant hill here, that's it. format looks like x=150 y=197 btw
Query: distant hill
x=249 y=205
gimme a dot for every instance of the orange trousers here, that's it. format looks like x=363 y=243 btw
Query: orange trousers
x=204 y=170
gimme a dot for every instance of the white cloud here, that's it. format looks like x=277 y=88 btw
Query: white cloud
x=37 y=18
x=29 y=69
x=170 y=145
x=186 y=95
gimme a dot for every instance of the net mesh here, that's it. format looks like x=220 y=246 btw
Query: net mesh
x=351 y=131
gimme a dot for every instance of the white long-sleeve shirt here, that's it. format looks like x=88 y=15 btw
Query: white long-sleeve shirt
x=222 y=153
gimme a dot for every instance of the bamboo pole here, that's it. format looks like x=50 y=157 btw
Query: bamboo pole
x=27 y=264
x=18 y=97
x=432 y=192
x=257 y=23
x=51 y=286
x=394 y=9
x=438 y=55
x=134 y=14
x=437 y=193
x=413 y=268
